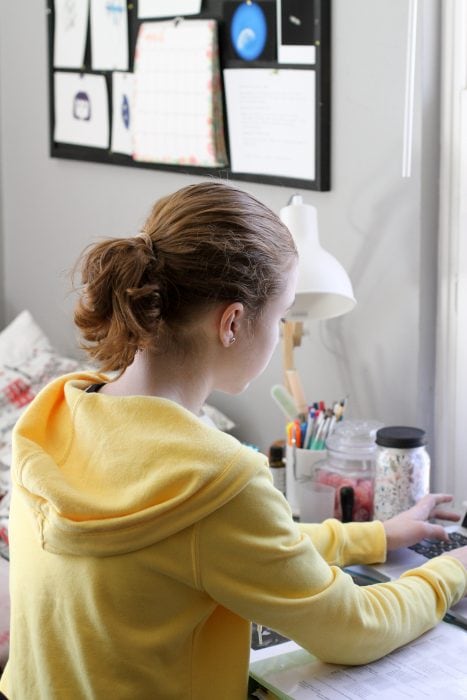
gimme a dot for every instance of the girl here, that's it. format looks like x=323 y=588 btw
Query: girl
x=144 y=541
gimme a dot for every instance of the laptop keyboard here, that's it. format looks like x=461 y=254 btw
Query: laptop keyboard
x=433 y=548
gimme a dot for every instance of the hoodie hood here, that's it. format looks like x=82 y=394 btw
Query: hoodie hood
x=105 y=475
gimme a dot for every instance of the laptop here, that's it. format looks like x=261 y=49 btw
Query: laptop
x=401 y=560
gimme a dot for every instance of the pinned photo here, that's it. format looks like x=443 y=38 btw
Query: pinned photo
x=251 y=30
x=296 y=31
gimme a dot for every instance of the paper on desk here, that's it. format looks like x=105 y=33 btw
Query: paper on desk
x=70 y=30
x=177 y=97
x=432 y=666
x=271 y=121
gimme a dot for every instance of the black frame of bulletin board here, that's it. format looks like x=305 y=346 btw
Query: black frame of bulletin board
x=214 y=9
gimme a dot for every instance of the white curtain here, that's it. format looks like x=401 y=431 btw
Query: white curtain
x=450 y=473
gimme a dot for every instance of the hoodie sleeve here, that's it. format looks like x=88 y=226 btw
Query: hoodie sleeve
x=349 y=543
x=254 y=560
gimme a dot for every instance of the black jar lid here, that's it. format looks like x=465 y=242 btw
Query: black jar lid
x=276 y=453
x=400 y=436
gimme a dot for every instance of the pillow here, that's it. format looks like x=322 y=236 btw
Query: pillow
x=213 y=416
x=4 y=613
x=27 y=363
x=20 y=339
x=20 y=382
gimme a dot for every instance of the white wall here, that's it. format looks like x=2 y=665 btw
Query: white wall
x=371 y=219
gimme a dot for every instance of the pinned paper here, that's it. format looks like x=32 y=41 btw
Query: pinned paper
x=296 y=31
x=177 y=99
x=70 y=31
x=167 y=8
x=271 y=118
x=109 y=35
x=122 y=112
x=81 y=109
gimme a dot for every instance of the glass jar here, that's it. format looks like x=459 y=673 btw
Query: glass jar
x=349 y=467
x=402 y=474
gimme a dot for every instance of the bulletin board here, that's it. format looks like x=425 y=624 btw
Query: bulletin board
x=234 y=89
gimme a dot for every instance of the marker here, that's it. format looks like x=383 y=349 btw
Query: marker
x=285 y=401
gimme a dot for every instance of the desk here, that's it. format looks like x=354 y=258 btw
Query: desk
x=432 y=666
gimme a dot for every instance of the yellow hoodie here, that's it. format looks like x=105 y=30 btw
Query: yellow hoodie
x=142 y=542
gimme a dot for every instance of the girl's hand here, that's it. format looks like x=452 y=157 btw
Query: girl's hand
x=411 y=526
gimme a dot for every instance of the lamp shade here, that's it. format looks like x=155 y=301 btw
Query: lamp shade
x=324 y=289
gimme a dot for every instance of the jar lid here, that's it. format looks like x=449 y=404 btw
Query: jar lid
x=354 y=437
x=400 y=436
x=276 y=453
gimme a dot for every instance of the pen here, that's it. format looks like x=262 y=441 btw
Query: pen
x=309 y=428
x=297 y=432
x=316 y=433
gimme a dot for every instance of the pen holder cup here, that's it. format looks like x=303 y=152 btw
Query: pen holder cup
x=300 y=465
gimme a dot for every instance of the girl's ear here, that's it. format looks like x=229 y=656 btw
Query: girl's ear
x=230 y=322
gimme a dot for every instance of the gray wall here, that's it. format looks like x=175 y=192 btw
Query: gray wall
x=380 y=226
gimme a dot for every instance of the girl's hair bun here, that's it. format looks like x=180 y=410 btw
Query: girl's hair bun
x=120 y=305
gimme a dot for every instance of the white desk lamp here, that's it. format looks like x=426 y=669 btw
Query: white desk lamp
x=324 y=289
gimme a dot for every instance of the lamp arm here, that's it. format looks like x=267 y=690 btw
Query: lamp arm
x=291 y=338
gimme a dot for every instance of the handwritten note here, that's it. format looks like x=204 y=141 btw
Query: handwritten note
x=271 y=121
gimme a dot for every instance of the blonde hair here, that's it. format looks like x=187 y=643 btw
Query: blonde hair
x=204 y=244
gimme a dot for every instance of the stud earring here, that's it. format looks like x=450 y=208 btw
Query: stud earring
x=232 y=340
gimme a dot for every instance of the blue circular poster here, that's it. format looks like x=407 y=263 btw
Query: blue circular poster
x=248 y=31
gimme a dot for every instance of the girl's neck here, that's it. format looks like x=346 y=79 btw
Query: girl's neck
x=185 y=383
